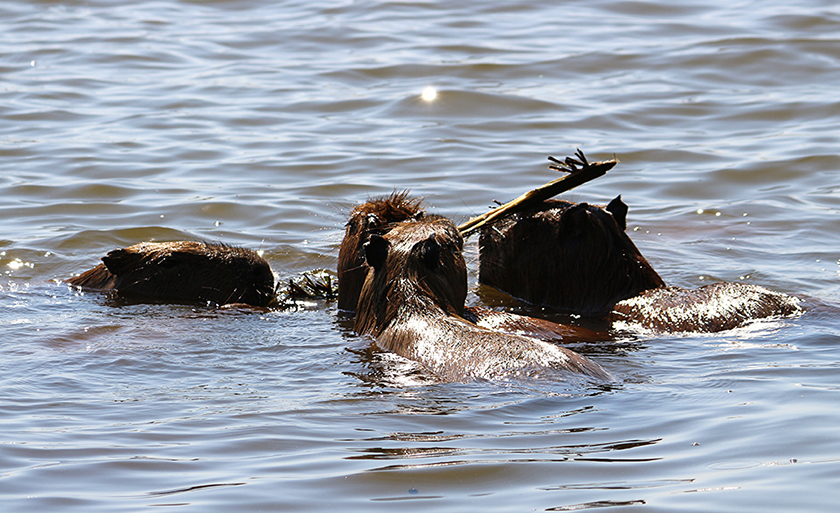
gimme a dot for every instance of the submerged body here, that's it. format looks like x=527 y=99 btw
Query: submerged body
x=577 y=258
x=412 y=303
x=711 y=308
x=185 y=271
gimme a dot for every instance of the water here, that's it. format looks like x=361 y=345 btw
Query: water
x=263 y=123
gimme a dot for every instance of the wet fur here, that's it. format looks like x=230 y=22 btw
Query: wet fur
x=572 y=257
x=711 y=308
x=374 y=217
x=577 y=258
x=377 y=217
x=412 y=303
x=187 y=271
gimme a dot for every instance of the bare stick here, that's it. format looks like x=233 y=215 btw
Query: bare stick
x=580 y=171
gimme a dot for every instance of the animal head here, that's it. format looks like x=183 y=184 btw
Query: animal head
x=573 y=257
x=416 y=265
x=375 y=217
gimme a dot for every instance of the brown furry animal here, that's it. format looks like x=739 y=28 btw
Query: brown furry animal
x=577 y=258
x=187 y=271
x=412 y=303
x=374 y=217
x=711 y=308
x=377 y=217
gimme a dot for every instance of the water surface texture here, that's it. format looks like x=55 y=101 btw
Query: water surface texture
x=263 y=123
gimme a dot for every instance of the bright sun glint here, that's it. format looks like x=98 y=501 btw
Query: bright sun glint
x=429 y=93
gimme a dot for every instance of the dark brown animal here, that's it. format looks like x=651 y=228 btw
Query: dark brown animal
x=186 y=271
x=377 y=217
x=374 y=217
x=412 y=303
x=577 y=258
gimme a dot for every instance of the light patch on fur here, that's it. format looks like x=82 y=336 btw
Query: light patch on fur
x=711 y=308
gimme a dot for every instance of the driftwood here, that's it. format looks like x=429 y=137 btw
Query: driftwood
x=580 y=171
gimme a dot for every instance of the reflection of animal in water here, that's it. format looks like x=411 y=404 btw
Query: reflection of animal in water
x=412 y=303
x=187 y=271
x=380 y=215
x=577 y=258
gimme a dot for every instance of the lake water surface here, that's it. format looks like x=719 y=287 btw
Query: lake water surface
x=263 y=123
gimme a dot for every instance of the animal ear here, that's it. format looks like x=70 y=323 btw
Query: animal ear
x=121 y=261
x=430 y=252
x=619 y=212
x=376 y=251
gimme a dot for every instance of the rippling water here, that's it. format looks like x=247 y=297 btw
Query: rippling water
x=262 y=124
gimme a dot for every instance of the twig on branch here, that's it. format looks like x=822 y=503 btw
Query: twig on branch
x=580 y=171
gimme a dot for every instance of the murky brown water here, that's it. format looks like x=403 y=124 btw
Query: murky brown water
x=261 y=124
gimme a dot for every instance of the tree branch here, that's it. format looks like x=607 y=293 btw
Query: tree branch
x=580 y=171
